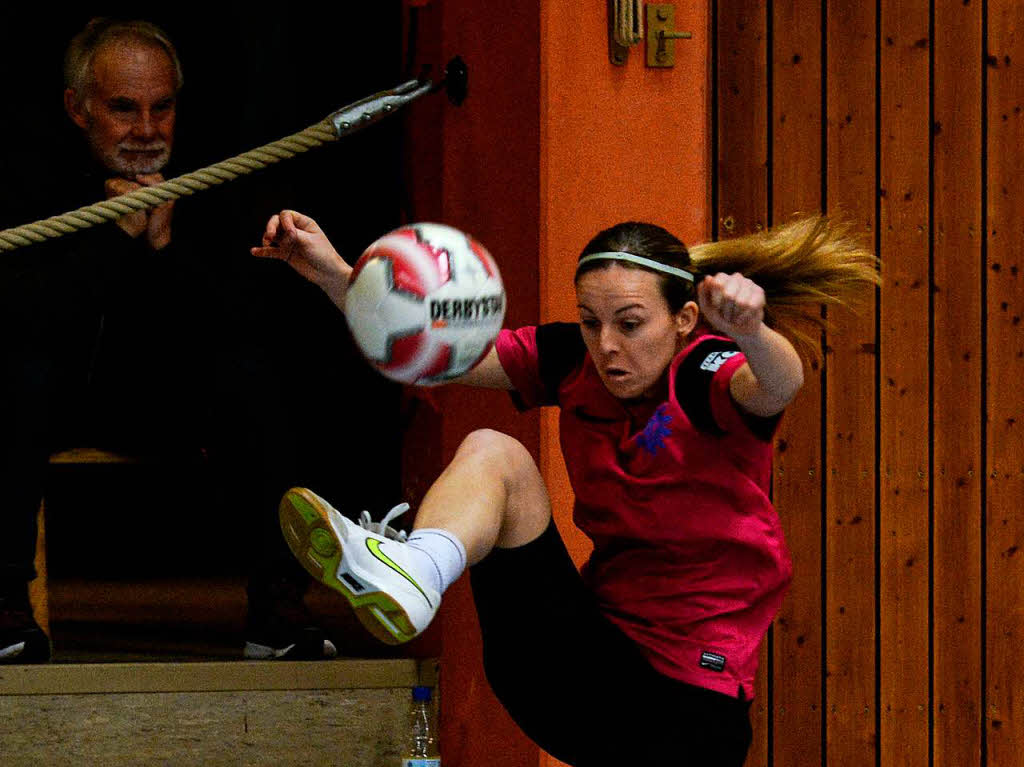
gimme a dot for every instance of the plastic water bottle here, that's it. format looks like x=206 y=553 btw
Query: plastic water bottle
x=421 y=749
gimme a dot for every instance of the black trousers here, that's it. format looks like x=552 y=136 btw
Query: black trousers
x=579 y=687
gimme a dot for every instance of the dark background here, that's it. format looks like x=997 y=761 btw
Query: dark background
x=250 y=78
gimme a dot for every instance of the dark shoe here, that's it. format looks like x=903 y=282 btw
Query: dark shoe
x=21 y=639
x=279 y=626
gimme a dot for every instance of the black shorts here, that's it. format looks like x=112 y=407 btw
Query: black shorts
x=579 y=687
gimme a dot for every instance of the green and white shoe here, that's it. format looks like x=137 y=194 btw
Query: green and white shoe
x=366 y=563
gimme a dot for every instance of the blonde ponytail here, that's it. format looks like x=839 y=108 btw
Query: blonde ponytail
x=802 y=265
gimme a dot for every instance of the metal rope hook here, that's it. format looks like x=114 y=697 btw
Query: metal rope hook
x=346 y=120
x=365 y=112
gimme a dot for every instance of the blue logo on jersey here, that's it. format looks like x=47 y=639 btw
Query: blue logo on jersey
x=653 y=437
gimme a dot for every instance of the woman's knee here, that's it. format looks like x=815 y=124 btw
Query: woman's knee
x=527 y=509
x=507 y=454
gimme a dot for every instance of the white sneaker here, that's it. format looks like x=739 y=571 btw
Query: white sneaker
x=366 y=563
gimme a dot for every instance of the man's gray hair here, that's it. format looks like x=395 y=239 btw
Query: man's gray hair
x=100 y=32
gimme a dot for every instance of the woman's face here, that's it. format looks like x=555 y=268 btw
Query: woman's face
x=628 y=329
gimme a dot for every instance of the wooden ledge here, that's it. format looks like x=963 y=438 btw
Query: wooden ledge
x=92 y=678
x=79 y=456
x=90 y=455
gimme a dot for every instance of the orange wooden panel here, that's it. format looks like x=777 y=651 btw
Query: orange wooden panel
x=903 y=514
x=743 y=201
x=1004 y=373
x=617 y=144
x=957 y=372
x=797 y=125
x=850 y=401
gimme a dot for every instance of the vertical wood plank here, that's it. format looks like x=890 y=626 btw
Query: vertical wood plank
x=742 y=116
x=1004 y=372
x=797 y=125
x=904 y=390
x=742 y=201
x=850 y=401
x=957 y=375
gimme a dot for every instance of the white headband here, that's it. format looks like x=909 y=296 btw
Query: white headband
x=616 y=255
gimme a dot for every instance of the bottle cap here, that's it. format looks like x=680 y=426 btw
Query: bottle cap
x=421 y=694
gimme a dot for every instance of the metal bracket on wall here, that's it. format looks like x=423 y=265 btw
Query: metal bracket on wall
x=662 y=35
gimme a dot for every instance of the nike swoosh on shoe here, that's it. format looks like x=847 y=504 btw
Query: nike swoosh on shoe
x=374 y=546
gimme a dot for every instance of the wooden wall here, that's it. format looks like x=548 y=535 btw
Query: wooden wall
x=899 y=473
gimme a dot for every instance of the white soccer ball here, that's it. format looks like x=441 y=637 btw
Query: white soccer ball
x=425 y=303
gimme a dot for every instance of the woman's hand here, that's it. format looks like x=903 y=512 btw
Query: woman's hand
x=732 y=304
x=296 y=239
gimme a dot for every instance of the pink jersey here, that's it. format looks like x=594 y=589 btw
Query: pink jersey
x=689 y=559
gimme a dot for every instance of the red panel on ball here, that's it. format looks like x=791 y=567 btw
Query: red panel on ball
x=404 y=351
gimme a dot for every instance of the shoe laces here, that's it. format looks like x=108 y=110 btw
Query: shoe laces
x=382 y=527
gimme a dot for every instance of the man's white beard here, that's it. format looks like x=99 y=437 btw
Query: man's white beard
x=113 y=160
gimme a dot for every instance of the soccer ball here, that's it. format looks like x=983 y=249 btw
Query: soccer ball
x=425 y=303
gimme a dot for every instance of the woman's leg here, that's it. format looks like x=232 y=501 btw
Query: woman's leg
x=490 y=495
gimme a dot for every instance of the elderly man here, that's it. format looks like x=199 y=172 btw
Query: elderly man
x=123 y=95
x=151 y=317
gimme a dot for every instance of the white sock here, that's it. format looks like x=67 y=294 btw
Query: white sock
x=443 y=556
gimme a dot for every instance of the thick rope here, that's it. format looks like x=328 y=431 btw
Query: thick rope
x=628 y=26
x=151 y=196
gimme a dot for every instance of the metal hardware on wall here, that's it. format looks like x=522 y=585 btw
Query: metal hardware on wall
x=625 y=28
x=662 y=35
x=630 y=22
